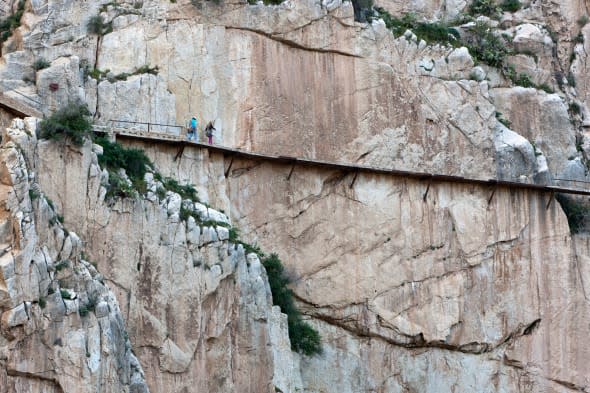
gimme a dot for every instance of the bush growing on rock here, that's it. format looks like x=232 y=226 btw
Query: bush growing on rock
x=40 y=64
x=71 y=122
x=304 y=338
x=511 y=5
x=483 y=7
x=96 y=25
x=435 y=32
x=133 y=161
x=487 y=47
x=10 y=23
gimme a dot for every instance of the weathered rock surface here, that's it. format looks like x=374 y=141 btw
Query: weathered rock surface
x=199 y=314
x=394 y=103
x=60 y=324
x=441 y=294
x=415 y=288
x=547 y=125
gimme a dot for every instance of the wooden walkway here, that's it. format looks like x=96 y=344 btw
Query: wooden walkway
x=181 y=141
x=150 y=132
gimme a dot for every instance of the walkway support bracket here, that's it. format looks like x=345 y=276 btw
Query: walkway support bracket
x=551 y=198
x=180 y=152
x=291 y=172
x=231 y=163
x=426 y=192
x=492 y=196
x=356 y=174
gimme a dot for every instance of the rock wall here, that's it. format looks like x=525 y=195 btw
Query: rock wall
x=469 y=289
x=394 y=103
x=198 y=311
x=61 y=329
x=456 y=288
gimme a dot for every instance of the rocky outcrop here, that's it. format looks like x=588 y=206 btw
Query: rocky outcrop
x=60 y=324
x=198 y=311
x=414 y=286
x=394 y=102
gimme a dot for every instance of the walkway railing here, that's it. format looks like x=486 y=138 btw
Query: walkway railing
x=149 y=133
x=156 y=131
x=172 y=133
x=147 y=127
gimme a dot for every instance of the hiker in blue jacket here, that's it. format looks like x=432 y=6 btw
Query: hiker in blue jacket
x=192 y=130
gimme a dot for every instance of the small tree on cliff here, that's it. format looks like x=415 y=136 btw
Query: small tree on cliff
x=70 y=122
x=304 y=338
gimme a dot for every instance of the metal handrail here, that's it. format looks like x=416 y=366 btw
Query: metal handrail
x=572 y=180
x=113 y=121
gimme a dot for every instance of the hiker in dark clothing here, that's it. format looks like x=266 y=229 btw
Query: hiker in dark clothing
x=209 y=132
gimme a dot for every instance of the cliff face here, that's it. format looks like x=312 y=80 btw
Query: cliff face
x=61 y=329
x=414 y=287
x=466 y=289
x=197 y=313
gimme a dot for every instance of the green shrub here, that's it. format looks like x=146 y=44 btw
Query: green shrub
x=579 y=39
x=65 y=294
x=118 y=187
x=304 y=339
x=97 y=26
x=40 y=64
x=186 y=191
x=146 y=69
x=363 y=10
x=62 y=265
x=583 y=20
x=575 y=108
x=83 y=311
x=436 y=32
x=70 y=122
x=571 y=79
x=234 y=235
x=483 y=7
x=524 y=80
x=185 y=213
x=50 y=203
x=487 y=47
x=510 y=5
x=89 y=306
x=133 y=161
x=11 y=22
x=161 y=193
x=251 y=248
x=33 y=194
x=546 y=88
x=502 y=119
x=575 y=212
x=42 y=302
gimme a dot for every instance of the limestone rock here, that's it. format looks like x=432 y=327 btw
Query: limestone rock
x=192 y=300
x=516 y=157
x=48 y=330
x=540 y=118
